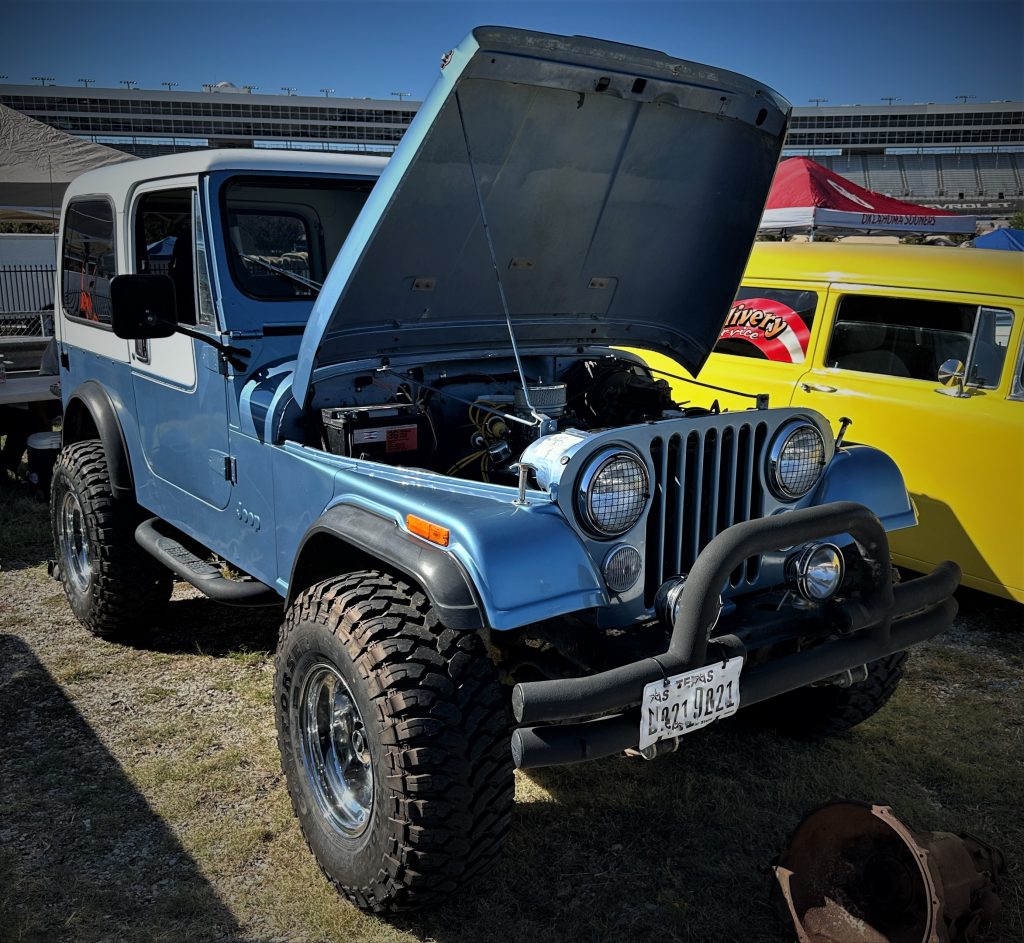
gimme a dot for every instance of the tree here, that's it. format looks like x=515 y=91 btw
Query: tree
x=1017 y=220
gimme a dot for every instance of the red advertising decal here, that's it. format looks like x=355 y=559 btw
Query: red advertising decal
x=774 y=328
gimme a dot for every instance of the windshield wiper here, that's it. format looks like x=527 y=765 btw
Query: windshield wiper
x=294 y=277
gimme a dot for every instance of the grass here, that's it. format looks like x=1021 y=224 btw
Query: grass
x=141 y=796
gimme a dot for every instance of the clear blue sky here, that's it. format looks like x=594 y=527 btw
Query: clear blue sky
x=848 y=52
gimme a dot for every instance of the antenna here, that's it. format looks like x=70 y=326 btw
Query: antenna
x=288 y=89
x=890 y=99
x=965 y=98
x=128 y=83
x=401 y=96
x=327 y=92
x=169 y=85
x=818 y=101
x=87 y=82
x=494 y=262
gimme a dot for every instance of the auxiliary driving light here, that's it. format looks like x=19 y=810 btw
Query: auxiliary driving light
x=622 y=568
x=818 y=570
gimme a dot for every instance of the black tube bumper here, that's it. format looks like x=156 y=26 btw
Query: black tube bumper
x=861 y=630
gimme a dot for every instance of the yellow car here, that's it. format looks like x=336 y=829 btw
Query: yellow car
x=921 y=347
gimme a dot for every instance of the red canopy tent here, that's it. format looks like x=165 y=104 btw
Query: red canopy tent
x=805 y=195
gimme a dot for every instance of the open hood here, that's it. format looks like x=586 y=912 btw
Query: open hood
x=622 y=190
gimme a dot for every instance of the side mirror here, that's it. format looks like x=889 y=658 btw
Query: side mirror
x=951 y=376
x=143 y=307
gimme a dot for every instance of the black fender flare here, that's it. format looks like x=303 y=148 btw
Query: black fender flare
x=90 y=414
x=367 y=538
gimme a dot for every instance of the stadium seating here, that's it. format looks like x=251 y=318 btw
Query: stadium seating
x=1000 y=175
x=885 y=176
x=922 y=175
x=959 y=175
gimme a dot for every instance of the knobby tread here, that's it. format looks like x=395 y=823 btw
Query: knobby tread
x=445 y=727
x=817 y=712
x=127 y=584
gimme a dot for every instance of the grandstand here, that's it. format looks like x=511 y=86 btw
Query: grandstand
x=960 y=157
x=965 y=156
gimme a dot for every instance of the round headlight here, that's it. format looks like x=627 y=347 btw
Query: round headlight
x=795 y=460
x=818 y=570
x=613 y=492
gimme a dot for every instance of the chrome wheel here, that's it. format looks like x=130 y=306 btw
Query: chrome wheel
x=74 y=542
x=335 y=750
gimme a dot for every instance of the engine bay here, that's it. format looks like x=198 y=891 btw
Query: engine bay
x=475 y=425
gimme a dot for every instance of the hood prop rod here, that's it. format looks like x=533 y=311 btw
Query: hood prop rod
x=538 y=419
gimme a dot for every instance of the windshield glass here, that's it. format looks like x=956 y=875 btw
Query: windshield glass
x=283 y=234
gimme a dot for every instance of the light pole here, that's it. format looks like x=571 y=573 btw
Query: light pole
x=87 y=82
x=42 y=79
x=889 y=99
x=169 y=85
x=401 y=95
x=965 y=98
x=207 y=86
x=327 y=92
x=288 y=89
x=250 y=88
x=128 y=83
x=818 y=102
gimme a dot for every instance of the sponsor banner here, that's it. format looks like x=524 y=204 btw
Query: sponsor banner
x=777 y=331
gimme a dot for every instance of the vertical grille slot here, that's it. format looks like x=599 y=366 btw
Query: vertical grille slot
x=705 y=481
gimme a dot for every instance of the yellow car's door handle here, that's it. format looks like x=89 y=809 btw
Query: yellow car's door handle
x=817 y=388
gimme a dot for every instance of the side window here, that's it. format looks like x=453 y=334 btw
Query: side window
x=163 y=244
x=988 y=350
x=88 y=260
x=912 y=337
x=769 y=324
x=205 y=314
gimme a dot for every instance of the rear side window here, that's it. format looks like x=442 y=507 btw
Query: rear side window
x=88 y=261
x=769 y=324
x=911 y=337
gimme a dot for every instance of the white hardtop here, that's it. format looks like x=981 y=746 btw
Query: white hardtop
x=118 y=179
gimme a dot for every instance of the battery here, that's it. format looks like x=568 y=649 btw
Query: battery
x=391 y=432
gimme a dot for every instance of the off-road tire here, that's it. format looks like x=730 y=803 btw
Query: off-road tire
x=438 y=729
x=818 y=712
x=124 y=585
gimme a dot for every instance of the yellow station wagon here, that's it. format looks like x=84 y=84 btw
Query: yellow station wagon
x=921 y=347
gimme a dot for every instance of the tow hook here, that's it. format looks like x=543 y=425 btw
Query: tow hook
x=845 y=679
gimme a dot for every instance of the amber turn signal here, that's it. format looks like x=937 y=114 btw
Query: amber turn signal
x=435 y=533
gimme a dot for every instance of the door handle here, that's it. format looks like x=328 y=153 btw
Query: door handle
x=817 y=388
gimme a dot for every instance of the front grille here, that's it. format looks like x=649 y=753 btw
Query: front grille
x=705 y=480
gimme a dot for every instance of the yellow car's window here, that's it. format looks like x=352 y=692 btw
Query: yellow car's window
x=913 y=337
x=769 y=324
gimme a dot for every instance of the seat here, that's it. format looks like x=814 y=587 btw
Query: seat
x=857 y=345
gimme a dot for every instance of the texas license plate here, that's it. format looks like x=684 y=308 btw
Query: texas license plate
x=689 y=701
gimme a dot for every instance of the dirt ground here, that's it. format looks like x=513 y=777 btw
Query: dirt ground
x=141 y=796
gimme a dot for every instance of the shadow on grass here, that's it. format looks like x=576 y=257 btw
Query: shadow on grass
x=99 y=864
x=202 y=626
x=680 y=849
x=24 y=528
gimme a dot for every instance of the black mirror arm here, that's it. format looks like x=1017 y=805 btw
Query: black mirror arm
x=233 y=355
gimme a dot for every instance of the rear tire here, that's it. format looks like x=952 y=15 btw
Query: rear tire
x=395 y=742
x=818 y=712
x=112 y=585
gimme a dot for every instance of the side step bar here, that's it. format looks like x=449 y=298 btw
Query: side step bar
x=204 y=576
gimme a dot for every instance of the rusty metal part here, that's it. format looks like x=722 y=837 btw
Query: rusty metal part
x=854 y=873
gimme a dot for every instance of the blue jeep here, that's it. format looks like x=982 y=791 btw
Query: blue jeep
x=393 y=395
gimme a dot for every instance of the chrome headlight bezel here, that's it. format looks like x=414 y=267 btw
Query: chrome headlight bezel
x=776 y=456
x=589 y=477
x=818 y=586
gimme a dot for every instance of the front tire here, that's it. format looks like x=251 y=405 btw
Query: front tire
x=828 y=710
x=394 y=738
x=112 y=585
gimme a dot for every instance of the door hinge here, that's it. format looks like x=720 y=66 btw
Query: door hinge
x=65 y=360
x=230 y=470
